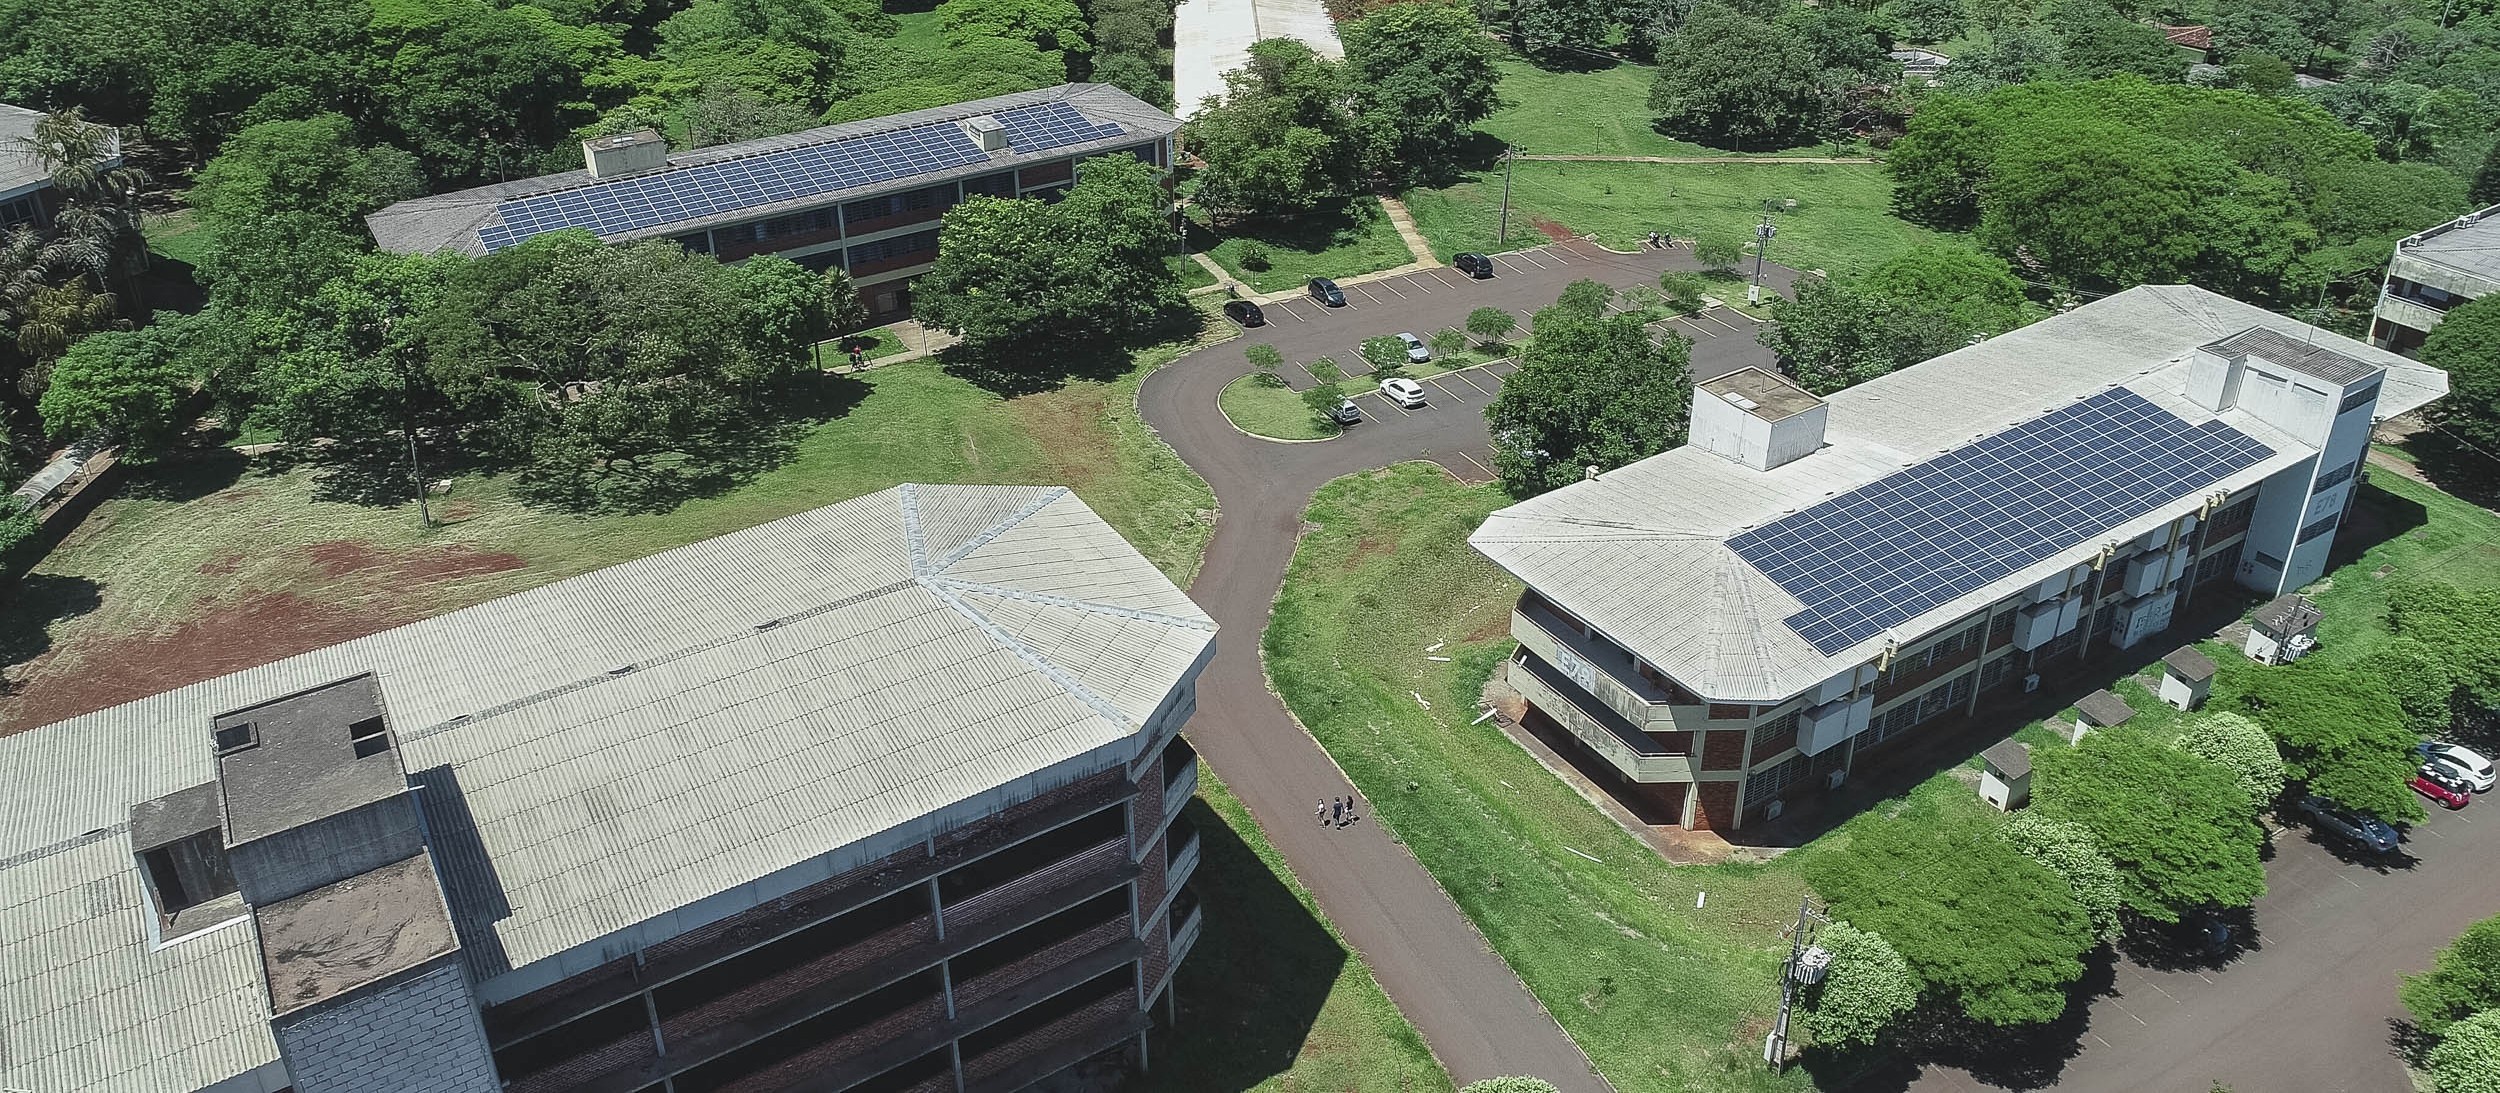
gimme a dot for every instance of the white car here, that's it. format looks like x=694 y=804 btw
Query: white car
x=1415 y=351
x=1403 y=392
x=2466 y=762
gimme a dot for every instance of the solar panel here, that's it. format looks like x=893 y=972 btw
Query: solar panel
x=1051 y=125
x=1893 y=549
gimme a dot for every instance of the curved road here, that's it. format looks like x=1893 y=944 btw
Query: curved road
x=1479 y=1019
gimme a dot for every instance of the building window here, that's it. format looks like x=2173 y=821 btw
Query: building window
x=918 y=200
x=1002 y=184
x=2266 y=560
x=2218 y=563
x=21 y=210
x=1723 y=711
x=2319 y=528
x=2336 y=477
x=1771 y=783
x=369 y=737
x=1771 y=730
x=870 y=209
x=2356 y=398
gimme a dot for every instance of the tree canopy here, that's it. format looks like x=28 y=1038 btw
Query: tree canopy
x=126 y=384
x=2467 y=1058
x=1867 y=988
x=1731 y=78
x=2464 y=979
x=1014 y=273
x=2068 y=849
x=1924 y=303
x=1280 y=138
x=2240 y=746
x=2467 y=344
x=2342 y=733
x=2181 y=831
x=1420 y=76
x=1592 y=390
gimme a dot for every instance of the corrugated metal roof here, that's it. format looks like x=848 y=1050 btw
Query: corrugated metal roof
x=1640 y=552
x=890 y=684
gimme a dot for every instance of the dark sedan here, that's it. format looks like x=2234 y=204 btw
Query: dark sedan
x=1245 y=313
x=1325 y=291
x=1473 y=264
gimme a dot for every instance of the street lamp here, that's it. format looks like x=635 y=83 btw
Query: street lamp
x=1762 y=242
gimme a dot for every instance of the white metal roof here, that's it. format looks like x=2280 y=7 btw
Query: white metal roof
x=1640 y=552
x=933 y=643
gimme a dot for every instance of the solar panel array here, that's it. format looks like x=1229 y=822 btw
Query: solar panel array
x=1893 y=549
x=667 y=197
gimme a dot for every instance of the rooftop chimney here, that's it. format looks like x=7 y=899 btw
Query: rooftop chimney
x=625 y=153
x=1756 y=418
x=986 y=133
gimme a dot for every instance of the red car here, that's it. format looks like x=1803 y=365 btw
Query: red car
x=2441 y=787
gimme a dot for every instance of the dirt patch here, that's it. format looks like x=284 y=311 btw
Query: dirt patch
x=229 y=636
x=1368 y=548
x=1492 y=627
x=1552 y=230
x=222 y=565
x=342 y=557
x=1070 y=420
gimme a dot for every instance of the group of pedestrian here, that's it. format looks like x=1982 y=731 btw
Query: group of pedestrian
x=1660 y=240
x=1335 y=812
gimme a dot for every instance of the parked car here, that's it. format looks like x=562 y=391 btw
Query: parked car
x=2367 y=832
x=2467 y=762
x=2441 y=785
x=1415 y=351
x=1347 y=413
x=1326 y=292
x=1473 y=264
x=1404 y=392
x=1245 y=313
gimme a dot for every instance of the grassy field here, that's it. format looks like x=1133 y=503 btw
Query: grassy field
x=1271 y=999
x=177 y=236
x=205 y=566
x=1843 y=221
x=1355 y=237
x=1663 y=996
x=1602 y=111
x=1274 y=412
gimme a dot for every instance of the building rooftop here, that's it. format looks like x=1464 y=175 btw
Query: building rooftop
x=294 y=760
x=1649 y=554
x=2289 y=613
x=2187 y=663
x=2009 y=757
x=601 y=753
x=19 y=169
x=2307 y=357
x=2469 y=244
x=1762 y=393
x=752 y=180
x=2104 y=708
x=335 y=938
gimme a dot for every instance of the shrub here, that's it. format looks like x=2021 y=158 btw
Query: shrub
x=2240 y=746
x=1325 y=370
x=2467 y=1059
x=2464 y=979
x=2067 y=849
x=1511 y=1085
x=1491 y=324
x=1682 y=290
x=1718 y=252
x=1265 y=358
x=1868 y=987
x=1254 y=256
x=1449 y=341
x=1323 y=400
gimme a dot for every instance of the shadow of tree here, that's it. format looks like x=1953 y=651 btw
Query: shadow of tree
x=34 y=603
x=2455 y=468
x=186 y=476
x=2189 y=945
x=1937 y=1034
x=707 y=462
x=1251 y=991
x=1029 y=368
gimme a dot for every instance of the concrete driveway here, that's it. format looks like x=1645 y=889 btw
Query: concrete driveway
x=2310 y=1007
x=1478 y=1018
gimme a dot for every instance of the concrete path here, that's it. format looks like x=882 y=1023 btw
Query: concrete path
x=1405 y=222
x=1699 y=159
x=1478 y=1018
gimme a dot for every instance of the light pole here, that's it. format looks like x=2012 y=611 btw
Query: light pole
x=1762 y=242
x=1775 y=1046
x=1503 y=232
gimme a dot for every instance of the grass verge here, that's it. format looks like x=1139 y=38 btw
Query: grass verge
x=1351 y=237
x=1601 y=111
x=1663 y=996
x=186 y=568
x=1271 y=999
x=1843 y=222
x=1274 y=412
x=177 y=235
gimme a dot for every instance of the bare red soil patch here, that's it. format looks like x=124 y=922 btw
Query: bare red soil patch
x=1552 y=230
x=222 y=565
x=342 y=557
x=231 y=636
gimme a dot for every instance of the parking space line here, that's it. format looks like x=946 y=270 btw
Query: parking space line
x=1297 y=316
x=1511 y=260
x=1368 y=296
x=1462 y=378
x=1435 y=275
x=1479 y=464
x=1720 y=321
x=1390 y=287
x=1435 y=381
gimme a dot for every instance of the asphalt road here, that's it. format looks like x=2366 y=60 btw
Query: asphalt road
x=2310 y=1006
x=1477 y=1017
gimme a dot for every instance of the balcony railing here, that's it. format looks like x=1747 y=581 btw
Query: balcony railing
x=2407 y=312
x=1184 y=861
x=1606 y=733
x=1102 y=864
x=1185 y=933
x=1176 y=790
x=1613 y=680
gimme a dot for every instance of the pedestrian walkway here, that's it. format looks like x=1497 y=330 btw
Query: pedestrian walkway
x=1699 y=159
x=1405 y=221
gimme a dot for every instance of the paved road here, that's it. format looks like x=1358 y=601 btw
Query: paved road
x=2309 y=1008
x=1478 y=1018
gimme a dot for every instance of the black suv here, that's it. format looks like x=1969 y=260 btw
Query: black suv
x=1325 y=291
x=1244 y=312
x=1473 y=264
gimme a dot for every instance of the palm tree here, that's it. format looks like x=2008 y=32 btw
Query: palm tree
x=46 y=302
x=99 y=196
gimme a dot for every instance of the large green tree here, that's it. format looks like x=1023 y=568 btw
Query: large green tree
x=2342 y=732
x=1867 y=988
x=2467 y=1059
x=1923 y=303
x=2181 y=831
x=2464 y=979
x=2068 y=849
x=315 y=167
x=1592 y=390
x=1018 y=273
x=1985 y=928
x=2240 y=746
x=1421 y=75
x=128 y=385
x=1730 y=79
x=2467 y=344
x=1281 y=138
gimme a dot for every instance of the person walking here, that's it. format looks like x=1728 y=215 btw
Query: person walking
x=1336 y=810
x=1653 y=241
x=1319 y=812
x=1350 y=802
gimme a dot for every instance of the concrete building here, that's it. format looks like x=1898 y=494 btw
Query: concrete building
x=26 y=192
x=2102 y=709
x=880 y=796
x=1736 y=621
x=2284 y=630
x=2432 y=272
x=2187 y=676
x=2005 y=775
x=865 y=196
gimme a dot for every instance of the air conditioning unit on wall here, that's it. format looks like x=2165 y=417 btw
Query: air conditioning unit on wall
x=1835 y=779
x=1772 y=811
x=2031 y=683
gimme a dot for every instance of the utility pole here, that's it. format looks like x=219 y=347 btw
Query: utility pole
x=1503 y=239
x=1762 y=242
x=1775 y=1047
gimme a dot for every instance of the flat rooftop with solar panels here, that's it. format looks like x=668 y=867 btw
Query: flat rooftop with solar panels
x=1751 y=565
x=633 y=187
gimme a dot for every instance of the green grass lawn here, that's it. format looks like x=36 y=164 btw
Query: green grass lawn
x=178 y=236
x=1272 y=1000
x=189 y=551
x=1347 y=239
x=1663 y=997
x=1274 y=412
x=1192 y=275
x=881 y=343
x=1843 y=221
x=1595 y=112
